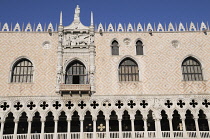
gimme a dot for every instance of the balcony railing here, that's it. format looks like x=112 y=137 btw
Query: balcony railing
x=111 y=135
x=75 y=87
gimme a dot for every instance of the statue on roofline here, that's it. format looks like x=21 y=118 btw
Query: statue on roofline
x=77 y=12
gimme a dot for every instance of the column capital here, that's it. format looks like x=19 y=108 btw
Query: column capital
x=29 y=120
x=42 y=119
x=81 y=118
x=182 y=118
x=144 y=118
x=16 y=120
x=68 y=119
x=157 y=119
x=195 y=117
x=107 y=118
x=3 y=121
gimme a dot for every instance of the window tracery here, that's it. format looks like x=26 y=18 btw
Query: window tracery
x=191 y=70
x=128 y=70
x=22 y=71
x=75 y=73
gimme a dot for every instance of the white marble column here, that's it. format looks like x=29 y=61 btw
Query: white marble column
x=29 y=129
x=184 y=128
x=16 y=128
x=171 y=127
x=120 y=128
x=197 y=127
x=158 y=128
x=2 y=129
x=132 y=128
x=81 y=129
x=107 y=128
x=145 y=128
x=208 y=123
x=42 y=129
x=55 y=128
x=68 y=129
x=94 y=128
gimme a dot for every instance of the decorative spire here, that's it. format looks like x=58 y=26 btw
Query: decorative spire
x=91 y=18
x=61 y=19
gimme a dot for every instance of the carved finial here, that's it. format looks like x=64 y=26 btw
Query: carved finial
x=77 y=14
x=61 y=19
x=91 y=22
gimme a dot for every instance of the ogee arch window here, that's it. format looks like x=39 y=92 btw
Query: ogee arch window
x=22 y=71
x=128 y=70
x=75 y=73
x=139 y=48
x=191 y=70
x=115 y=48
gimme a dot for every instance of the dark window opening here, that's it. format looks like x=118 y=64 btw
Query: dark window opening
x=115 y=48
x=128 y=70
x=75 y=79
x=22 y=71
x=75 y=73
x=191 y=70
x=139 y=48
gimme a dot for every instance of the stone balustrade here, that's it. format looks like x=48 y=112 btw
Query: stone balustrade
x=75 y=87
x=103 y=135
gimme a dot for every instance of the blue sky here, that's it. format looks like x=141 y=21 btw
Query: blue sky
x=105 y=11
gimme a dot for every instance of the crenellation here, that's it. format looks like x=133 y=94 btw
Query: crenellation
x=113 y=28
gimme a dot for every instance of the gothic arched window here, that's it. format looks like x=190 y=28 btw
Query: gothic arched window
x=22 y=71
x=139 y=48
x=191 y=70
x=115 y=48
x=75 y=73
x=128 y=70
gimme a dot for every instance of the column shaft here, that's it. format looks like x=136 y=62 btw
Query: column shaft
x=171 y=128
x=2 y=130
x=55 y=129
x=29 y=130
x=68 y=129
x=42 y=130
x=94 y=129
x=132 y=128
x=15 y=130
x=81 y=129
x=209 y=123
x=145 y=128
x=120 y=128
x=197 y=127
x=158 y=128
x=107 y=128
x=184 y=128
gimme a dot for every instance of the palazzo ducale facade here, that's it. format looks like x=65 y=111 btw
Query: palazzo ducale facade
x=104 y=81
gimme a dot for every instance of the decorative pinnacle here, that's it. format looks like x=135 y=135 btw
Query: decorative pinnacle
x=61 y=20
x=91 y=18
x=77 y=14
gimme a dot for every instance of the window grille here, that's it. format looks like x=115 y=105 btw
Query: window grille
x=128 y=70
x=139 y=48
x=115 y=48
x=75 y=73
x=191 y=70
x=22 y=71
